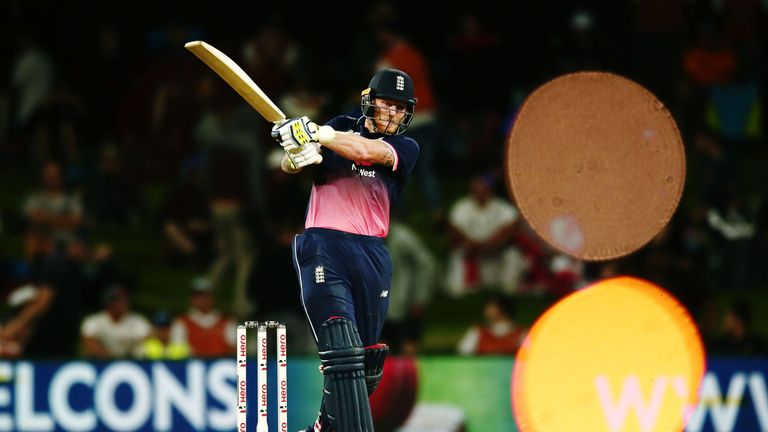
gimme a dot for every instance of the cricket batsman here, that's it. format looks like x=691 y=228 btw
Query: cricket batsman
x=359 y=167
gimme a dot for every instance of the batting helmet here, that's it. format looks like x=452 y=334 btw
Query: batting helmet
x=390 y=84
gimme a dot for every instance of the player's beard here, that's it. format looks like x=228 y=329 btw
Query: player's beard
x=388 y=124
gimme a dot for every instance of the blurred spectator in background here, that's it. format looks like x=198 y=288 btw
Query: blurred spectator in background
x=276 y=291
x=63 y=273
x=33 y=76
x=53 y=216
x=410 y=289
x=104 y=75
x=581 y=47
x=473 y=113
x=206 y=331
x=158 y=345
x=498 y=334
x=758 y=274
x=709 y=60
x=270 y=56
x=25 y=305
x=737 y=337
x=398 y=53
x=111 y=197
x=116 y=331
x=734 y=110
x=482 y=254
x=659 y=37
x=185 y=215
x=732 y=221
x=228 y=135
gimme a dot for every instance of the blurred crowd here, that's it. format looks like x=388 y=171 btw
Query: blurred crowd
x=128 y=135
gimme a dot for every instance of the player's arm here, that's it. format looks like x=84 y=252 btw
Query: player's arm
x=297 y=137
x=354 y=147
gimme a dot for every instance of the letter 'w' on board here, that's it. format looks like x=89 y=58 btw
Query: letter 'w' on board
x=596 y=164
x=236 y=77
x=620 y=355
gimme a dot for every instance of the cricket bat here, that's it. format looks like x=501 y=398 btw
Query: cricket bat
x=236 y=77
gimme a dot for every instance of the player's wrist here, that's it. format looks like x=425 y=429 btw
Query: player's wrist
x=325 y=134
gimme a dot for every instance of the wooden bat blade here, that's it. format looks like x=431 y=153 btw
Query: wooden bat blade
x=236 y=77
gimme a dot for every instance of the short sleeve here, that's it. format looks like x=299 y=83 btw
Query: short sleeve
x=142 y=327
x=458 y=214
x=31 y=204
x=74 y=206
x=90 y=326
x=406 y=154
x=507 y=212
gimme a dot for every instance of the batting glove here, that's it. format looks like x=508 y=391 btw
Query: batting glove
x=294 y=133
x=307 y=154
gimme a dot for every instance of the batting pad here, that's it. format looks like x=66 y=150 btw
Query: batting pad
x=345 y=394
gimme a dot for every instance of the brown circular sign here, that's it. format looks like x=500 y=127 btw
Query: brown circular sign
x=596 y=164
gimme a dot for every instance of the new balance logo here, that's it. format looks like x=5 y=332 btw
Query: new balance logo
x=400 y=83
x=319 y=274
x=384 y=294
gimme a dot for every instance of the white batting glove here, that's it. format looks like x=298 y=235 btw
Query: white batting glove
x=306 y=155
x=294 y=133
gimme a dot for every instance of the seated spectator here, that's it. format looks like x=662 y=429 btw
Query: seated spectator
x=158 y=345
x=186 y=218
x=25 y=304
x=737 y=337
x=483 y=253
x=111 y=198
x=411 y=289
x=499 y=334
x=206 y=331
x=52 y=215
x=63 y=273
x=116 y=331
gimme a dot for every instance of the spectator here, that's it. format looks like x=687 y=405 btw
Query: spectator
x=116 y=331
x=733 y=224
x=206 y=331
x=499 y=333
x=111 y=198
x=228 y=135
x=411 y=288
x=52 y=215
x=186 y=218
x=737 y=337
x=26 y=304
x=32 y=81
x=158 y=345
x=61 y=272
x=482 y=255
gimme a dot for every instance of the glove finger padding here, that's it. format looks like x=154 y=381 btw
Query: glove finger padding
x=297 y=131
x=374 y=365
x=307 y=154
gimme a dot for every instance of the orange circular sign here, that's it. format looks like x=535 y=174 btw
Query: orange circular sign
x=621 y=355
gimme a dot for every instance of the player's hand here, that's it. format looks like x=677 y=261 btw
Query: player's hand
x=294 y=133
x=307 y=154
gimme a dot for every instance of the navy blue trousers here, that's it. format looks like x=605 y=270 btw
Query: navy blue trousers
x=343 y=275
